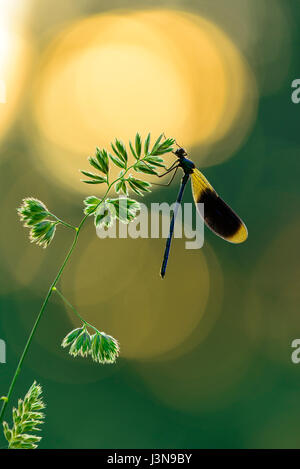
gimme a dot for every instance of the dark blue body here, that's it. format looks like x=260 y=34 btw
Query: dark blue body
x=187 y=167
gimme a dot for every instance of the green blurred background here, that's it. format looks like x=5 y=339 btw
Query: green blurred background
x=206 y=353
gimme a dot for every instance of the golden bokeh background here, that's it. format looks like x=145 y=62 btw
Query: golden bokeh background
x=111 y=74
x=207 y=350
x=15 y=57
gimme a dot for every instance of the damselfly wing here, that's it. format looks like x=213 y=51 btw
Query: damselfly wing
x=218 y=216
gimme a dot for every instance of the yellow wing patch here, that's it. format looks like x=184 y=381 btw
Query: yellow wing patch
x=218 y=216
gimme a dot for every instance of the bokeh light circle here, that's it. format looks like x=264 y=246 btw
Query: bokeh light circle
x=111 y=75
x=117 y=287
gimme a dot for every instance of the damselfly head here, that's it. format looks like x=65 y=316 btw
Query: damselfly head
x=180 y=153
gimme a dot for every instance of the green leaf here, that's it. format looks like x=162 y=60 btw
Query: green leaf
x=142 y=167
x=138 y=145
x=118 y=186
x=162 y=148
x=99 y=179
x=117 y=161
x=143 y=185
x=122 y=150
x=133 y=151
x=121 y=187
x=25 y=418
x=104 y=348
x=135 y=189
x=91 y=200
x=156 y=144
x=104 y=216
x=125 y=208
x=103 y=161
x=43 y=232
x=124 y=188
x=32 y=211
x=117 y=153
x=69 y=339
x=146 y=145
x=81 y=345
x=162 y=152
x=7 y=432
x=92 y=181
x=167 y=143
x=94 y=163
x=91 y=204
x=155 y=161
x=139 y=186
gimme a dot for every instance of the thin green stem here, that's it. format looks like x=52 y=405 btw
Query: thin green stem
x=73 y=308
x=28 y=343
x=62 y=222
x=50 y=291
x=69 y=304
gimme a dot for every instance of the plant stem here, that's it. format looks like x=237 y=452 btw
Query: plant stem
x=74 y=309
x=50 y=291
x=28 y=343
x=62 y=222
x=69 y=304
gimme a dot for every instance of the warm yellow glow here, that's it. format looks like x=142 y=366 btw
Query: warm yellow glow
x=14 y=56
x=5 y=46
x=106 y=113
x=162 y=70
